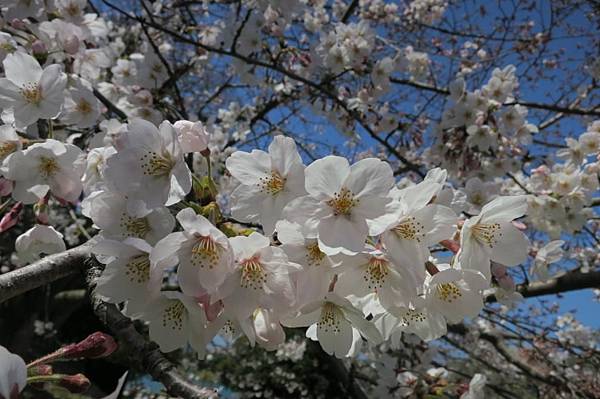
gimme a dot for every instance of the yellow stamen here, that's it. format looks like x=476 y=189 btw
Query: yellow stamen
x=448 y=292
x=272 y=184
x=330 y=318
x=376 y=273
x=83 y=106
x=487 y=234
x=253 y=275
x=32 y=92
x=6 y=148
x=157 y=165
x=409 y=229
x=205 y=252
x=48 y=166
x=343 y=202
x=135 y=227
x=313 y=254
x=173 y=316
x=138 y=269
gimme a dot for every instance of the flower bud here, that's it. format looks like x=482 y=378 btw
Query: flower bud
x=11 y=218
x=505 y=281
x=94 y=346
x=451 y=245
x=39 y=47
x=6 y=187
x=71 y=45
x=18 y=24
x=431 y=268
x=192 y=136
x=77 y=383
x=211 y=310
x=40 y=210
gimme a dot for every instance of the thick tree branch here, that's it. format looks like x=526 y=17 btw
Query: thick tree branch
x=339 y=370
x=42 y=272
x=569 y=281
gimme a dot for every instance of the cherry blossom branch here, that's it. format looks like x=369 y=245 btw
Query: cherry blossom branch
x=142 y=354
x=349 y=11
x=110 y=106
x=519 y=362
x=571 y=109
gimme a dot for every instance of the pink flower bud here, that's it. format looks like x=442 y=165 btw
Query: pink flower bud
x=6 y=187
x=211 y=310
x=11 y=218
x=18 y=24
x=505 y=281
x=519 y=225
x=498 y=270
x=451 y=245
x=39 y=47
x=77 y=383
x=192 y=136
x=71 y=45
x=96 y=345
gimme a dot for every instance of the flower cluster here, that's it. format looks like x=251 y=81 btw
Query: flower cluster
x=338 y=243
x=565 y=190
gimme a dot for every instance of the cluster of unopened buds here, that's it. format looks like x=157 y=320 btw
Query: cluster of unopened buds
x=15 y=374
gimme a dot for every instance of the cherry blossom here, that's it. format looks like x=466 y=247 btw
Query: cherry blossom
x=343 y=203
x=176 y=320
x=32 y=92
x=334 y=322
x=9 y=141
x=192 y=136
x=39 y=240
x=548 y=254
x=51 y=166
x=417 y=225
x=203 y=253
x=374 y=271
x=109 y=213
x=455 y=293
x=317 y=268
x=149 y=167
x=128 y=275
x=268 y=182
x=492 y=236
x=476 y=386
x=262 y=277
